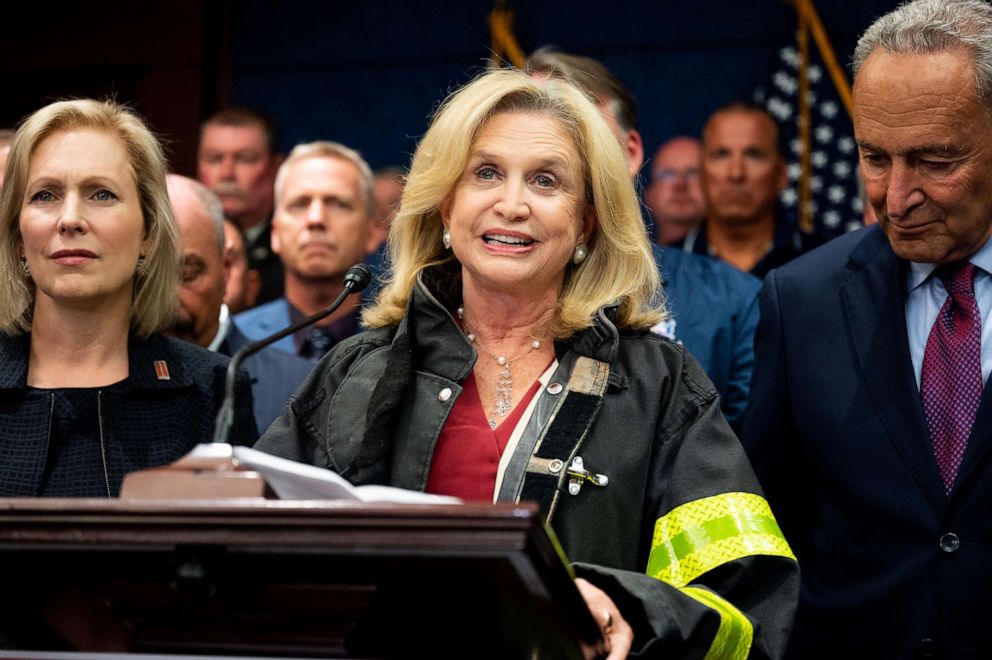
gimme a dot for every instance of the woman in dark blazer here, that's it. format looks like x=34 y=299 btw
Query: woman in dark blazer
x=89 y=254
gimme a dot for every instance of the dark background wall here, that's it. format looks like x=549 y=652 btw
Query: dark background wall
x=369 y=74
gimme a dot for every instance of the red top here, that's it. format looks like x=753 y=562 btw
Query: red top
x=467 y=453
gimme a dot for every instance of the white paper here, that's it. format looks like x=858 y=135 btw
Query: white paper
x=296 y=481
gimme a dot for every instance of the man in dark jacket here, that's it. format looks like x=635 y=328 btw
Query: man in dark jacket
x=871 y=418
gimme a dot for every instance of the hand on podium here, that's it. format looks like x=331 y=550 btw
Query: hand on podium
x=617 y=632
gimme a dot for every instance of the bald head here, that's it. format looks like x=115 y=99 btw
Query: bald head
x=200 y=217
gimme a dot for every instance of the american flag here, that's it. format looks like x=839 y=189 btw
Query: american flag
x=837 y=206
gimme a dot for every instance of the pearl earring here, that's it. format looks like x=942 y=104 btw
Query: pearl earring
x=580 y=253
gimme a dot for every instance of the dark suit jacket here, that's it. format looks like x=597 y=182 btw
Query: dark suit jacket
x=837 y=436
x=274 y=376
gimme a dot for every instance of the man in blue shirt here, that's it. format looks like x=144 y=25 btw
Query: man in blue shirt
x=713 y=306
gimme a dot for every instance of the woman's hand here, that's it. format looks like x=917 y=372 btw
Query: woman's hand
x=616 y=631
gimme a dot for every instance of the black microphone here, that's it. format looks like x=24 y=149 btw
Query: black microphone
x=355 y=279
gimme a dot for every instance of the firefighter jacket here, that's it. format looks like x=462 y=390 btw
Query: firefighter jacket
x=678 y=533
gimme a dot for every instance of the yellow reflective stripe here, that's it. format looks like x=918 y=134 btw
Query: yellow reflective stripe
x=703 y=534
x=733 y=637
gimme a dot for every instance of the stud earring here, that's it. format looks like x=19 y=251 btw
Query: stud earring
x=580 y=253
x=24 y=267
x=446 y=238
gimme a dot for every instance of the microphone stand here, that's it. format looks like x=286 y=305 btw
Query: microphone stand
x=356 y=279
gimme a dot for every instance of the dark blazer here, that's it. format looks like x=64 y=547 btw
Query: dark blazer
x=274 y=375
x=166 y=406
x=891 y=566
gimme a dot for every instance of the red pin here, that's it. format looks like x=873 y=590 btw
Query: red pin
x=161 y=370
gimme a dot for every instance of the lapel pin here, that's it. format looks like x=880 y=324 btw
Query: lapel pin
x=162 y=370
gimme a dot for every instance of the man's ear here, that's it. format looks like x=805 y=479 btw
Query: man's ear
x=783 y=175
x=634 y=146
x=274 y=241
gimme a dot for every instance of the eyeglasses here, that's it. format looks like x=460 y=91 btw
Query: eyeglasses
x=670 y=175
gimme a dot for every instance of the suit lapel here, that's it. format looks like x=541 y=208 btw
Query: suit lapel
x=873 y=300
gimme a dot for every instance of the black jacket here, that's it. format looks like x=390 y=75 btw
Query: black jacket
x=679 y=537
x=893 y=567
x=148 y=421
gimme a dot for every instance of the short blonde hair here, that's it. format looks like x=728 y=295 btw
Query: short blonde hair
x=620 y=267
x=328 y=149
x=156 y=290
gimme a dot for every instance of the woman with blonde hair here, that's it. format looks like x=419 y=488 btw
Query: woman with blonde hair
x=90 y=254
x=509 y=358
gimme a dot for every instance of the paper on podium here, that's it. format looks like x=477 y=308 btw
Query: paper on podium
x=221 y=471
x=296 y=481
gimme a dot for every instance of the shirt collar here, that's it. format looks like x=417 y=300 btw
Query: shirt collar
x=223 y=326
x=919 y=272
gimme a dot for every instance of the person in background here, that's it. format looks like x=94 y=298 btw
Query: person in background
x=714 y=308
x=743 y=173
x=388 y=193
x=513 y=339
x=203 y=318
x=322 y=227
x=674 y=196
x=870 y=424
x=243 y=281
x=238 y=159
x=89 y=389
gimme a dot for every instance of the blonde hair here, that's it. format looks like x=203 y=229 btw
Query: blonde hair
x=620 y=267
x=156 y=289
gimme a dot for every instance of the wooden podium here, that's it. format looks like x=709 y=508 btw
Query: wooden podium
x=281 y=578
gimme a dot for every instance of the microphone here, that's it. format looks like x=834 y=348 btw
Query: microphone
x=355 y=279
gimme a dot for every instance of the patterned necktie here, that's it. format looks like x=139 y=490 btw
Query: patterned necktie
x=951 y=378
x=318 y=342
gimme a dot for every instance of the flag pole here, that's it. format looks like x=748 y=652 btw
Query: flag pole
x=504 y=44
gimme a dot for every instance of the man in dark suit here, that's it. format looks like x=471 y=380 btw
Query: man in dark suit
x=869 y=422
x=203 y=319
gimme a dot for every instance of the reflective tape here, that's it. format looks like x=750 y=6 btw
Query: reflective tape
x=733 y=637
x=703 y=534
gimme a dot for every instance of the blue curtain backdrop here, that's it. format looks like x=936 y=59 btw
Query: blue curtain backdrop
x=370 y=74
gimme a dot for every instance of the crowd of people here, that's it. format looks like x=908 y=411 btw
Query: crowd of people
x=698 y=416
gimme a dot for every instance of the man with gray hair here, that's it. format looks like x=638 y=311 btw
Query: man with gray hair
x=871 y=419
x=202 y=318
x=324 y=199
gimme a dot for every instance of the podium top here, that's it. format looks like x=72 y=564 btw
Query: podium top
x=287 y=578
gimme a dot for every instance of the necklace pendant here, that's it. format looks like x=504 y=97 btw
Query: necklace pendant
x=492 y=423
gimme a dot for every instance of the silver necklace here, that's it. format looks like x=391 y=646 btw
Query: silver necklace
x=504 y=383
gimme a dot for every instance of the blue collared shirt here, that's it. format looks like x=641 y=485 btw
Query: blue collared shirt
x=927 y=295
